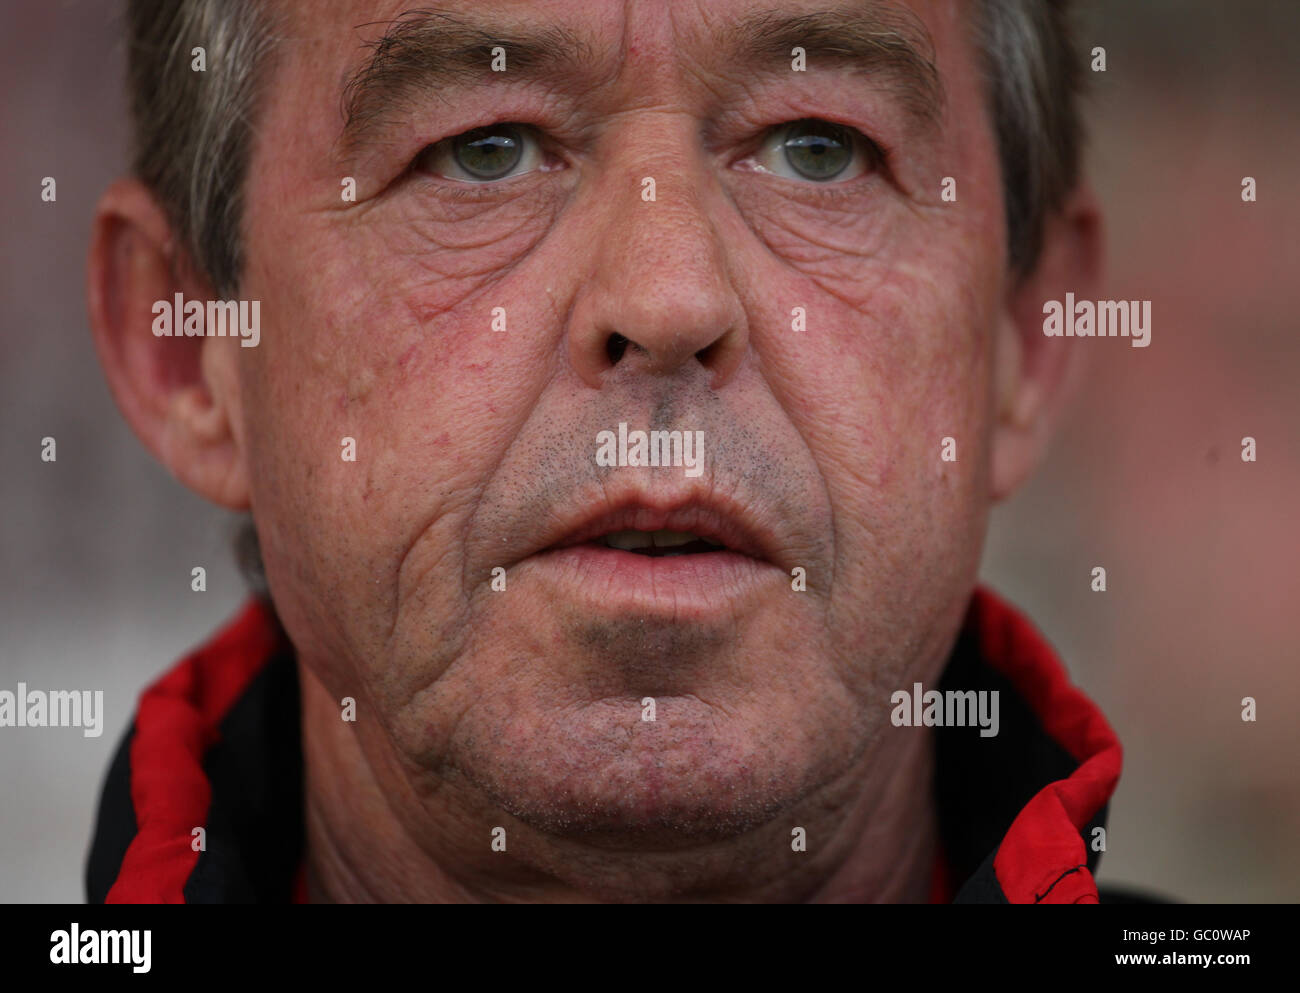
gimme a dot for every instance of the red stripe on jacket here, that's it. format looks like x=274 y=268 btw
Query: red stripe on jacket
x=176 y=724
x=1042 y=858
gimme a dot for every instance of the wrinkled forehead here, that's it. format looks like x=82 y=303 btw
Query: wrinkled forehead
x=370 y=56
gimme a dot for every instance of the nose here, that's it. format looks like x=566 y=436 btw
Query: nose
x=661 y=299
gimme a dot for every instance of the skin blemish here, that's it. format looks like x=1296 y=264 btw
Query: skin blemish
x=361 y=384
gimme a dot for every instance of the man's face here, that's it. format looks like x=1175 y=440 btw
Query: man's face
x=476 y=447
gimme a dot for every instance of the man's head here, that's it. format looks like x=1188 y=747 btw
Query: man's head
x=706 y=218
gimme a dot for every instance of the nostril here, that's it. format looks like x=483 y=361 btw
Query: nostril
x=615 y=346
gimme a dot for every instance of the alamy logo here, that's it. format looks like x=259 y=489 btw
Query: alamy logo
x=952 y=708
x=1103 y=319
x=56 y=709
x=78 y=947
x=651 y=448
x=218 y=319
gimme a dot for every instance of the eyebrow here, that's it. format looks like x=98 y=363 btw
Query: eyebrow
x=871 y=37
x=423 y=51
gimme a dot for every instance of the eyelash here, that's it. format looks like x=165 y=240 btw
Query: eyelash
x=877 y=159
x=463 y=190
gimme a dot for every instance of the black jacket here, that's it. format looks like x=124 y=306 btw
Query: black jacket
x=215 y=744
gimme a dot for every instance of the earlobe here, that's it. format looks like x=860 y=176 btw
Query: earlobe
x=178 y=393
x=1033 y=371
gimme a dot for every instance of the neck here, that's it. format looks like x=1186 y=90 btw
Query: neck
x=383 y=830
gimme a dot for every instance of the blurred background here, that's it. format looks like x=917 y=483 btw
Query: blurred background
x=1145 y=479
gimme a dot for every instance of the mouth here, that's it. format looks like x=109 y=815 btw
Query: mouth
x=660 y=544
x=657 y=531
x=686 y=557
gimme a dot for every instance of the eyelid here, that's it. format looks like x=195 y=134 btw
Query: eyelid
x=438 y=159
x=873 y=156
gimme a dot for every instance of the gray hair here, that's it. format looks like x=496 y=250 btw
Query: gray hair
x=194 y=130
x=1033 y=78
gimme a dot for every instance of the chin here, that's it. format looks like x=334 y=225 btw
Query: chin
x=600 y=775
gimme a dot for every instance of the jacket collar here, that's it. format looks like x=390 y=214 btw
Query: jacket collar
x=1022 y=815
x=203 y=801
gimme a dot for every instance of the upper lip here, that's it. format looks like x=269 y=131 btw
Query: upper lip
x=708 y=515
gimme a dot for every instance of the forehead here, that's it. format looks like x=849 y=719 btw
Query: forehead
x=599 y=39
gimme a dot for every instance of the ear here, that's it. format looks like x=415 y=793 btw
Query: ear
x=1033 y=372
x=179 y=394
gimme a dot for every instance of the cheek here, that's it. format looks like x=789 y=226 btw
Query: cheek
x=894 y=359
x=894 y=347
x=365 y=344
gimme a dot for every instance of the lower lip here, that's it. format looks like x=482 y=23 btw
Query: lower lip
x=682 y=585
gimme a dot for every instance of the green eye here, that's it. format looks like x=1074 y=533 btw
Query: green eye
x=489 y=153
x=484 y=155
x=817 y=150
